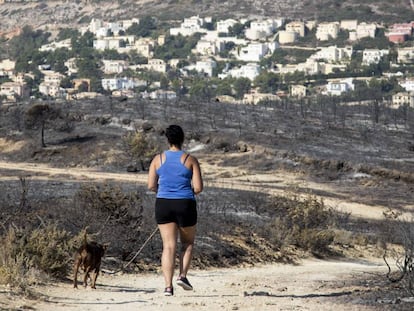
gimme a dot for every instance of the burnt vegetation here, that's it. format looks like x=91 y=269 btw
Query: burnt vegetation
x=361 y=152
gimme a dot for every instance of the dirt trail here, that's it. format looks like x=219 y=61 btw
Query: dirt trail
x=311 y=285
x=274 y=183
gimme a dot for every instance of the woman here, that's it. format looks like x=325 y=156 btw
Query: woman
x=176 y=178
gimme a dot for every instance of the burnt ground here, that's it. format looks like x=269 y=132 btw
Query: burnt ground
x=248 y=154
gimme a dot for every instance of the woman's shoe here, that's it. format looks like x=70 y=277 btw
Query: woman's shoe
x=184 y=283
x=169 y=291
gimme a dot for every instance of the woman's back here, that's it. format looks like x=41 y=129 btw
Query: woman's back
x=174 y=177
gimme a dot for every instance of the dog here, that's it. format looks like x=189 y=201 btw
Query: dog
x=88 y=257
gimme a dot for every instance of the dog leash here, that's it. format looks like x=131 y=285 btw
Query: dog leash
x=142 y=247
x=137 y=253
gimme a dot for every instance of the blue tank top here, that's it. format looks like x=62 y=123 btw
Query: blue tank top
x=174 y=179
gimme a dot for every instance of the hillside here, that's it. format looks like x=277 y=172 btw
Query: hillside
x=52 y=15
x=286 y=181
x=255 y=159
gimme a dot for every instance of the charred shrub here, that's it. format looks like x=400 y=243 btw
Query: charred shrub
x=27 y=256
x=113 y=214
x=305 y=223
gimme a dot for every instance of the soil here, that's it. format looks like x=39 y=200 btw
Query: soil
x=248 y=273
x=308 y=284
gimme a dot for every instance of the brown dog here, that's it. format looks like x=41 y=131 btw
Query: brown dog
x=88 y=257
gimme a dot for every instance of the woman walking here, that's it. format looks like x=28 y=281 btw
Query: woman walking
x=176 y=178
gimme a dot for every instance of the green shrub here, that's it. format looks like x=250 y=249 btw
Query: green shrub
x=27 y=255
x=139 y=147
x=305 y=223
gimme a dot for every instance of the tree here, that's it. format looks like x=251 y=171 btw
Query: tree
x=33 y=83
x=24 y=48
x=242 y=86
x=267 y=82
x=176 y=47
x=236 y=30
x=38 y=116
x=66 y=33
x=83 y=45
x=139 y=147
x=224 y=87
x=144 y=28
x=89 y=68
x=113 y=54
x=201 y=90
x=136 y=58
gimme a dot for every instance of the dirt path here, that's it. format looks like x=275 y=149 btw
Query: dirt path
x=311 y=285
x=274 y=183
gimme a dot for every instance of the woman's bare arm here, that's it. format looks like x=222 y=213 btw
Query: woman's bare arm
x=152 y=175
x=197 y=178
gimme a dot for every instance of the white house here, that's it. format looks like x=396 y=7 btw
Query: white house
x=206 y=66
x=254 y=52
x=206 y=47
x=115 y=43
x=326 y=31
x=298 y=91
x=144 y=46
x=126 y=23
x=249 y=71
x=405 y=55
x=338 y=87
x=224 y=26
x=163 y=94
x=114 y=66
x=7 y=67
x=297 y=27
x=102 y=32
x=373 y=56
x=333 y=53
x=106 y=43
x=349 y=24
x=260 y=29
x=189 y=26
x=256 y=97
x=112 y=84
x=52 y=77
x=310 y=67
x=407 y=84
x=71 y=65
x=52 y=89
x=13 y=89
x=403 y=98
x=94 y=25
x=286 y=36
x=155 y=64
x=366 y=30
x=7 y=64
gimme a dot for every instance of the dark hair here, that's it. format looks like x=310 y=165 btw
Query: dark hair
x=175 y=135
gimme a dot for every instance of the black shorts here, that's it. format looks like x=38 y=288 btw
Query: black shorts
x=181 y=211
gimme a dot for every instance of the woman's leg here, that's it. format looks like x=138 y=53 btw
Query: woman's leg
x=187 y=236
x=169 y=244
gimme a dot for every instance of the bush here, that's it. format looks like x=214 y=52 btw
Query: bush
x=304 y=223
x=112 y=214
x=139 y=147
x=26 y=255
x=400 y=231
